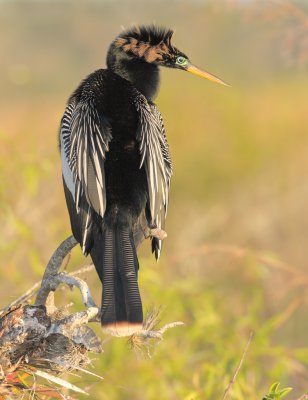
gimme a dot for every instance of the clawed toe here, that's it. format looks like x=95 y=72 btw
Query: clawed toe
x=158 y=233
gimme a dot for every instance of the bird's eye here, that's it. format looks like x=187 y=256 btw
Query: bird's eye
x=181 y=60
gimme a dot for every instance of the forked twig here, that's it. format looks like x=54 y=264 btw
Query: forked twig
x=48 y=282
x=52 y=279
x=157 y=334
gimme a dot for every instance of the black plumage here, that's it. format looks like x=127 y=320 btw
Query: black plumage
x=117 y=167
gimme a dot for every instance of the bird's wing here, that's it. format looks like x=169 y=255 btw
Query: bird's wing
x=84 y=138
x=155 y=158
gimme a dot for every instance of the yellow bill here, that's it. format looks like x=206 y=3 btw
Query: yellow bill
x=194 y=70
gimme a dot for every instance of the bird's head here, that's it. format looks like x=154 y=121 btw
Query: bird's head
x=152 y=45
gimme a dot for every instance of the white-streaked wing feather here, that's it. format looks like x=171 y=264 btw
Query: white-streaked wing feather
x=65 y=144
x=90 y=136
x=155 y=158
x=84 y=140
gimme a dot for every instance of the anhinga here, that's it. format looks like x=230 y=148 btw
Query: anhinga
x=117 y=167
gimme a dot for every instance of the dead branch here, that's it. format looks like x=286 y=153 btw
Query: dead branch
x=44 y=341
x=50 y=281
x=35 y=341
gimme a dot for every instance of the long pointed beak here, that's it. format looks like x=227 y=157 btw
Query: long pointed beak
x=197 y=71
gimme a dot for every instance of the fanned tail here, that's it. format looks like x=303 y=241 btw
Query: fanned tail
x=116 y=261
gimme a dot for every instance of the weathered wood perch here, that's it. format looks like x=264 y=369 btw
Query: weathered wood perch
x=43 y=340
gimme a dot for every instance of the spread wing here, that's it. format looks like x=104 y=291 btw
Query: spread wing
x=84 y=138
x=155 y=158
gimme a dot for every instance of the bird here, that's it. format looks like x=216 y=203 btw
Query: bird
x=116 y=165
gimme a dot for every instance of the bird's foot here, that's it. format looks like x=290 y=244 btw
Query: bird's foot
x=158 y=233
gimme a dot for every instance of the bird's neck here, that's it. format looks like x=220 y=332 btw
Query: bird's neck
x=144 y=76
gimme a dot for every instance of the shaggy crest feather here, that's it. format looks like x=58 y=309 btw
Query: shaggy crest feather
x=148 y=34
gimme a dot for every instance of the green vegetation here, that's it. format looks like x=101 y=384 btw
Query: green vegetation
x=235 y=260
x=275 y=393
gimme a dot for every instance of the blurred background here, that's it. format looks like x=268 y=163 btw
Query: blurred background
x=235 y=260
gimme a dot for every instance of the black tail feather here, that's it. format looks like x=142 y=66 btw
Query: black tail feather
x=127 y=263
x=109 y=278
x=116 y=262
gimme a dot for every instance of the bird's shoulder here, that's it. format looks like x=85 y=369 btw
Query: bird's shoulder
x=111 y=94
x=115 y=98
x=101 y=84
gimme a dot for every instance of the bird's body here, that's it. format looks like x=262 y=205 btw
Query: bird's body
x=117 y=168
x=125 y=182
